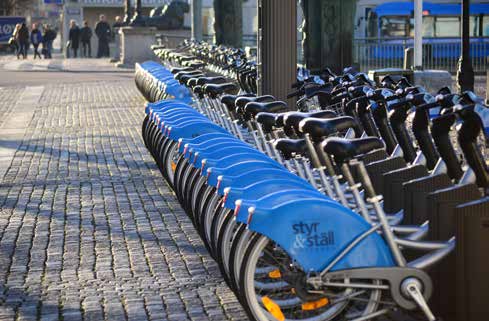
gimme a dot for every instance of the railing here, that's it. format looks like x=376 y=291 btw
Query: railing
x=145 y=3
x=251 y=41
x=438 y=53
x=248 y=40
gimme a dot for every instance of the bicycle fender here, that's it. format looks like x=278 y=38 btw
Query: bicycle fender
x=315 y=232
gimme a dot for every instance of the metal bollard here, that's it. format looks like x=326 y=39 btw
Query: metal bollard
x=472 y=264
x=441 y=214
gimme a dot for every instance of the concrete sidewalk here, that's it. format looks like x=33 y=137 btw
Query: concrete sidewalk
x=58 y=63
x=89 y=229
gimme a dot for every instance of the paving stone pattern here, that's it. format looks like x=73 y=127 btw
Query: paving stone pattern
x=89 y=229
x=8 y=98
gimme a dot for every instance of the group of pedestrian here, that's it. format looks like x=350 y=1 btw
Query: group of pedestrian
x=22 y=39
x=84 y=35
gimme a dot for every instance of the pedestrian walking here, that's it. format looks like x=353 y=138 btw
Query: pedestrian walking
x=36 y=39
x=103 y=32
x=74 y=38
x=85 y=38
x=13 y=40
x=116 y=37
x=22 y=37
x=48 y=38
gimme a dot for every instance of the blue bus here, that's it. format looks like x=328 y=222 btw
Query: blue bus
x=390 y=29
x=7 y=26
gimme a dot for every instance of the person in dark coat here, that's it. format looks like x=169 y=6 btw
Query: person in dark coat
x=23 y=41
x=104 y=34
x=117 y=24
x=85 y=38
x=74 y=37
x=36 y=40
x=47 y=41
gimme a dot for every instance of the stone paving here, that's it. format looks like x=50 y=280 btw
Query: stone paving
x=8 y=98
x=58 y=63
x=88 y=228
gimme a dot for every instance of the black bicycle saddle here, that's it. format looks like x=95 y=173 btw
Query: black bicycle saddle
x=267 y=120
x=253 y=108
x=344 y=149
x=215 y=90
x=211 y=80
x=289 y=147
x=242 y=101
x=230 y=100
x=183 y=79
x=292 y=120
x=180 y=74
x=319 y=128
x=177 y=70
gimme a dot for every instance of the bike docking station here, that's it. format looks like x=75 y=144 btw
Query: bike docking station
x=363 y=199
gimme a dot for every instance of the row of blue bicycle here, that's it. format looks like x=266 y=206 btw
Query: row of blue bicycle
x=313 y=214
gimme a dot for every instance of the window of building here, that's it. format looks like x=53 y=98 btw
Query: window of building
x=428 y=26
x=485 y=26
x=447 y=27
x=394 y=26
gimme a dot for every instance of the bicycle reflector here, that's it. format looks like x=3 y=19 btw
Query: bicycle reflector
x=308 y=306
x=275 y=274
x=273 y=308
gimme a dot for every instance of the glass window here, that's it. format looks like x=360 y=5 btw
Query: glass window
x=394 y=26
x=447 y=27
x=428 y=27
x=474 y=26
x=485 y=26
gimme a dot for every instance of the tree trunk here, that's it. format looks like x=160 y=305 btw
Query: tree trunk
x=228 y=24
x=328 y=33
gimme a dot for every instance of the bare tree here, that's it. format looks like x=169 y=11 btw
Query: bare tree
x=15 y=7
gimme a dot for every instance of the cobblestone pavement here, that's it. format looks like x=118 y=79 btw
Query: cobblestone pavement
x=88 y=228
x=8 y=98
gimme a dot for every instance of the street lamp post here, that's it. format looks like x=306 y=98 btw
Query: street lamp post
x=465 y=72
x=418 y=34
x=137 y=20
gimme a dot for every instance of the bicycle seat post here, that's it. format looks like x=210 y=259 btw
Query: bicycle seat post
x=376 y=200
x=322 y=163
x=355 y=189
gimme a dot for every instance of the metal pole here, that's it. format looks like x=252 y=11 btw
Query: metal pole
x=418 y=33
x=277 y=48
x=197 y=20
x=465 y=72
